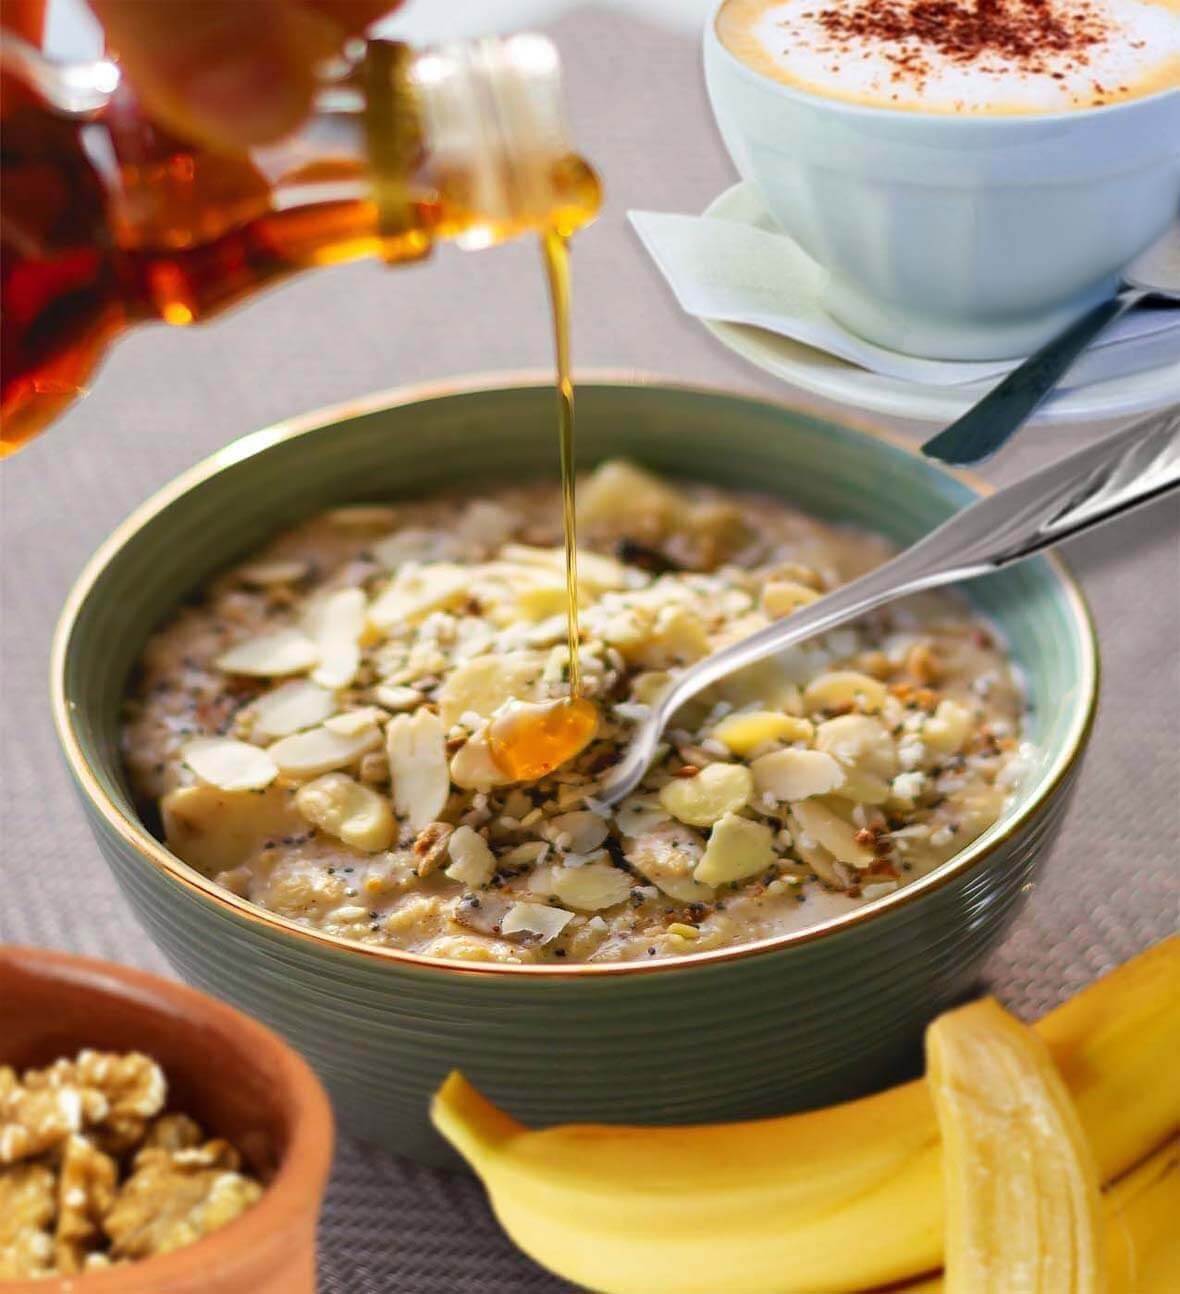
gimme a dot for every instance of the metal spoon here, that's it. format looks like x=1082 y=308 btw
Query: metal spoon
x=1123 y=471
x=979 y=433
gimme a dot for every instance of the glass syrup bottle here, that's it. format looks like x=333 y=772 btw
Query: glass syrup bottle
x=109 y=221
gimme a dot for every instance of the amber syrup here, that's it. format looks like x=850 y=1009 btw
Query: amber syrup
x=529 y=741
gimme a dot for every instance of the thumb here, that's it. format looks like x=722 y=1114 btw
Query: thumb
x=229 y=73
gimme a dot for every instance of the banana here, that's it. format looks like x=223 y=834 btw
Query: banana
x=835 y=1200
x=1142 y=1238
x=1022 y=1205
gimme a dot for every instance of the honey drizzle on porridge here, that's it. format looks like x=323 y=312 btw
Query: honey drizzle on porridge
x=313 y=735
x=529 y=741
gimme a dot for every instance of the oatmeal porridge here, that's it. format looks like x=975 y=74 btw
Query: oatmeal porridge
x=313 y=734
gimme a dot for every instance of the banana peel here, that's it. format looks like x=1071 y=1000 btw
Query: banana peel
x=828 y=1202
x=1143 y=1226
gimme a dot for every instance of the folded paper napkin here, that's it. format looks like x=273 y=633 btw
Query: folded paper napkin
x=739 y=273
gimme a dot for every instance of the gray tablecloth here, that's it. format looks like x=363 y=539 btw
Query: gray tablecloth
x=167 y=397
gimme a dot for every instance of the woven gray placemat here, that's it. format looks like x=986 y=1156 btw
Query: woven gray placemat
x=167 y=397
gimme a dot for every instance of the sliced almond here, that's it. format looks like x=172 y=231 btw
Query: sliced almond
x=336 y=622
x=228 y=764
x=796 y=774
x=781 y=597
x=416 y=746
x=349 y=811
x=628 y=630
x=948 y=728
x=482 y=685
x=717 y=790
x=285 y=651
x=536 y=919
x=473 y=768
x=639 y=814
x=744 y=733
x=832 y=832
x=289 y=707
x=540 y=881
x=472 y=861
x=320 y=750
x=261 y=574
x=677 y=638
x=592 y=887
x=393 y=697
x=579 y=832
x=814 y=854
x=845 y=687
x=529 y=854
x=482 y=913
x=416 y=592
x=667 y=856
x=865 y=750
x=737 y=848
x=857 y=740
x=596 y=573
x=414 y=545
x=351 y=722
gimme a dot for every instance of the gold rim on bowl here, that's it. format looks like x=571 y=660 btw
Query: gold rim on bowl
x=145 y=844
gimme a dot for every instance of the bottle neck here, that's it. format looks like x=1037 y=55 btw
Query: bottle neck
x=467 y=142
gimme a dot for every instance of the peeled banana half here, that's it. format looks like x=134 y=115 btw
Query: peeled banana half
x=1140 y=1212
x=1021 y=1190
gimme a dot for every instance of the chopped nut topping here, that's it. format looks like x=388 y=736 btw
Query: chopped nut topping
x=430 y=846
x=372 y=795
x=89 y=1176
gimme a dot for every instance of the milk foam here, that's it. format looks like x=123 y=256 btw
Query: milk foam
x=1138 y=54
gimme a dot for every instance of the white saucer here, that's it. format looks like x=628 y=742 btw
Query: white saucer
x=1154 y=387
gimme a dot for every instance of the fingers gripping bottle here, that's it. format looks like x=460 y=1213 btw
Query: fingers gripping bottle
x=109 y=221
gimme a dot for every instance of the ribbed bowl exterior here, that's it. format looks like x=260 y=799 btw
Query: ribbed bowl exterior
x=786 y=1026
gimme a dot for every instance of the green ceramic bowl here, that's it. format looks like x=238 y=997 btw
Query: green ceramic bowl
x=799 y=1020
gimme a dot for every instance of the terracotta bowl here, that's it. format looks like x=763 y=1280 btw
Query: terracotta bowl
x=238 y=1079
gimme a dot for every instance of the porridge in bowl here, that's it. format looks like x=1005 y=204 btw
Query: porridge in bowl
x=317 y=731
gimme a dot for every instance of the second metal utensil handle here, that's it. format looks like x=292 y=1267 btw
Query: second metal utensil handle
x=1121 y=472
x=988 y=425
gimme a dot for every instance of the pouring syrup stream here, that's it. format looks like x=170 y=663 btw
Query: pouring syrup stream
x=528 y=741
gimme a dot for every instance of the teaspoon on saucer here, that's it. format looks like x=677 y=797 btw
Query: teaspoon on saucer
x=1121 y=472
x=1154 y=275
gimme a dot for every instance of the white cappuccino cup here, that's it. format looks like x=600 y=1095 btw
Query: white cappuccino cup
x=955 y=234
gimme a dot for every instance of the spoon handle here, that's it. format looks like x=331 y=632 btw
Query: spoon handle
x=988 y=425
x=1121 y=472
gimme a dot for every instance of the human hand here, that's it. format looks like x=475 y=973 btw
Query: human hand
x=230 y=73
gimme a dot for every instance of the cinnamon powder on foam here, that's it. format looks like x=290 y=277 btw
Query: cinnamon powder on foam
x=1025 y=34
